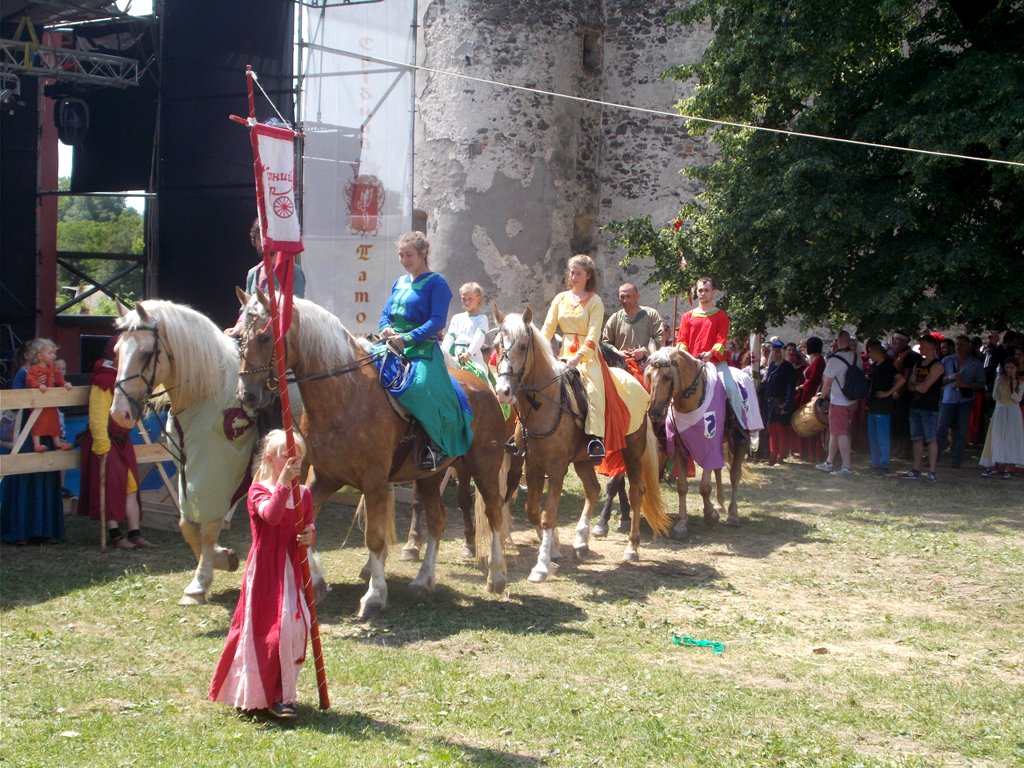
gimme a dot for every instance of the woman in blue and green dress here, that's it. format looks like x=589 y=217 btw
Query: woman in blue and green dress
x=415 y=313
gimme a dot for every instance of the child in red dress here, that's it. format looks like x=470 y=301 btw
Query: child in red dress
x=266 y=644
x=44 y=374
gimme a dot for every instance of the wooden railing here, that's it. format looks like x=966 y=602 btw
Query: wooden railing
x=34 y=401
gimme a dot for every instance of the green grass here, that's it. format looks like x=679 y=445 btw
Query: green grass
x=866 y=623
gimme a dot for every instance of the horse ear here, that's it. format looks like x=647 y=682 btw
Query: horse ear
x=498 y=316
x=122 y=310
x=141 y=312
x=262 y=299
x=527 y=315
x=243 y=297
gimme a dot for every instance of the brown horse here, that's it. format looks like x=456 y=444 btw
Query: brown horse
x=551 y=431
x=682 y=386
x=355 y=436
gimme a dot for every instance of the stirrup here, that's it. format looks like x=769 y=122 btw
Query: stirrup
x=595 y=448
x=431 y=459
x=511 y=448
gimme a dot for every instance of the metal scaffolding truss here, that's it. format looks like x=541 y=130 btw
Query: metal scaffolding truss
x=21 y=57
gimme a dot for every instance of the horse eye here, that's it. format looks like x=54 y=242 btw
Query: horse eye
x=522 y=346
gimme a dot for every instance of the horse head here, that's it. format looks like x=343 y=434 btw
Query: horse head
x=257 y=374
x=673 y=376
x=143 y=360
x=513 y=343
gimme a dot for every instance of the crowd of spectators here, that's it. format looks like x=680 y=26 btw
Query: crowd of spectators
x=931 y=399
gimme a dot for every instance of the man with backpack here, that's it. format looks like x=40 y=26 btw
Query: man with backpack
x=843 y=384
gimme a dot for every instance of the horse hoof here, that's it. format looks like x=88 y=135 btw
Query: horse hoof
x=232 y=564
x=600 y=530
x=409 y=555
x=420 y=590
x=581 y=552
x=625 y=526
x=679 y=531
x=631 y=556
x=197 y=599
x=711 y=518
x=537 y=576
x=497 y=586
x=468 y=552
x=370 y=610
x=733 y=521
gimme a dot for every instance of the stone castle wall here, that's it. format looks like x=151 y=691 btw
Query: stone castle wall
x=514 y=182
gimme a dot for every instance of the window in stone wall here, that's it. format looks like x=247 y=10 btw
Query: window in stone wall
x=592 y=49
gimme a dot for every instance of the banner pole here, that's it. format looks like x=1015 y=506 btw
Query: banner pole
x=286 y=417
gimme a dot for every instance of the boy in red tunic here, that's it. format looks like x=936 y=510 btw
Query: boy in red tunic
x=703 y=332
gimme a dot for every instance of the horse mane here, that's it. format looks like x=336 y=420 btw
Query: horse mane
x=517 y=329
x=205 y=361
x=322 y=339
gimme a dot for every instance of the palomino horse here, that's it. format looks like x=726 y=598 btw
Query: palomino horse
x=689 y=398
x=211 y=435
x=354 y=436
x=552 y=430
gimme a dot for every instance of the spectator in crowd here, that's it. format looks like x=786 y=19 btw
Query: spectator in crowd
x=43 y=374
x=962 y=376
x=904 y=360
x=841 y=408
x=925 y=387
x=31 y=505
x=885 y=386
x=110 y=471
x=776 y=398
x=811 y=448
x=1004 y=444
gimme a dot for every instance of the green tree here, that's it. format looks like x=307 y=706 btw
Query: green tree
x=99 y=225
x=845 y=234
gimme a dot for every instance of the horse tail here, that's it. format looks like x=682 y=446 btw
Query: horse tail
x=390 y=534
x=652 y=506
x=483 y=525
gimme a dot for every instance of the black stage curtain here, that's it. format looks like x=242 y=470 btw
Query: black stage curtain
x=207 y=197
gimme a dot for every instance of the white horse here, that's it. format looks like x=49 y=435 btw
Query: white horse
x=211 y=436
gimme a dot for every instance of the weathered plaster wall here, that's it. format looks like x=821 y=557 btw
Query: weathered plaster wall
x=513 y=182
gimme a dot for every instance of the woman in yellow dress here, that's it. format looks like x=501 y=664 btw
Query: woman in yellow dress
x=578 y=314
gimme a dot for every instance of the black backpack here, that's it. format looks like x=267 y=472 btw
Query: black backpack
x=855 y=384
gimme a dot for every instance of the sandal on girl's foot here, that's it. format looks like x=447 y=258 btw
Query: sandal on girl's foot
x=141 y=543
x=122 y=543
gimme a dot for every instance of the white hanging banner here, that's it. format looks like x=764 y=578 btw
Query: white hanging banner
x=274 y=153
x=357 y=124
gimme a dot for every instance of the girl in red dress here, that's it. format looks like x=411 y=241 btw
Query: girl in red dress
x=44 y=374
x=266 y=644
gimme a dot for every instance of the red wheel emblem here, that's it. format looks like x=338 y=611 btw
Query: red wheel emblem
x=283 y=207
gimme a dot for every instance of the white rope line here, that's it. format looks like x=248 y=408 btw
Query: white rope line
x=280 y=117
x=676 y=115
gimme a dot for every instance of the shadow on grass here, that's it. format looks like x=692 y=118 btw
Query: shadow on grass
x=363 y=727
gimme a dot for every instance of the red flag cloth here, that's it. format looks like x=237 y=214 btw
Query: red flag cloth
x=284 y=275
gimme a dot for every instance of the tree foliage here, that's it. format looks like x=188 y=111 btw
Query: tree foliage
x=99 y=225
x=844 y=234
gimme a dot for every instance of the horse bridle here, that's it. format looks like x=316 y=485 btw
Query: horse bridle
x=270 y=369
x=517 y=377
x=150 y=366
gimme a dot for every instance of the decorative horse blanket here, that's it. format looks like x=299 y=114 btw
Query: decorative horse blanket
x=214 y=442
x=702 y=431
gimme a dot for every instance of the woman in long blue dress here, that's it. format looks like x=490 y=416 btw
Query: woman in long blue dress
x=31 y=505
x=415 y=313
